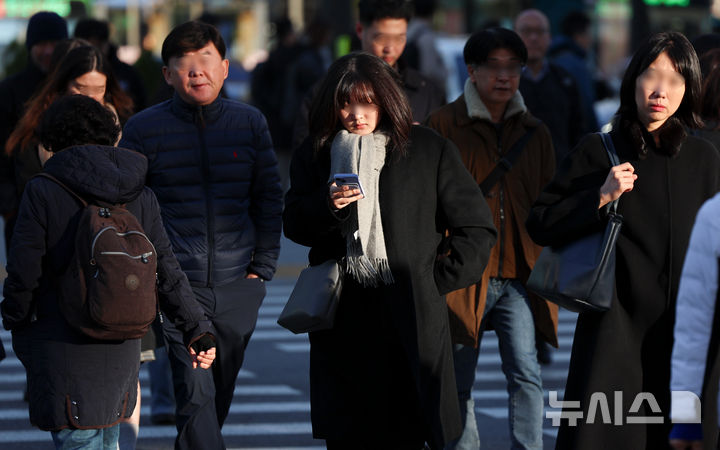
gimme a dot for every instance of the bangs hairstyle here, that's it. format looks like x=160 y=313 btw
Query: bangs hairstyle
x=685 y=61
x=371 y=10
x=361 y=78
x=481 y=43
x=191 y=36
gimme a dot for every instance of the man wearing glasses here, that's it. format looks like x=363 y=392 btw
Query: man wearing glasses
x=492 y=128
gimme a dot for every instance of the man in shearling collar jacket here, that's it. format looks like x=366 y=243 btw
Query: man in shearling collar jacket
x=214 y=171
x=485 y=123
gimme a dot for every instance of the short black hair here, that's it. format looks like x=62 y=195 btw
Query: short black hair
x=77 y=120
x=481 y=43
x=191 y=36
x=574 y=23
x=92 y=29
x=371 y=10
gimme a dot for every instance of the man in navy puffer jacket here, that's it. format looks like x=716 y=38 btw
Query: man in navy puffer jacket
x=214 y=172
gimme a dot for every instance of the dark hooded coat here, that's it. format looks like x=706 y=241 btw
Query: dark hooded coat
x=73 y=380
x=385 y=370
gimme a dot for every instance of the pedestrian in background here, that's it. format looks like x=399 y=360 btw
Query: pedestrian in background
x=44 y=30
x=79 y=387
x=97 y=32
x=382 y=29
x=487 y=123
x=549 y=91
x=214 y=171
x=663 y=179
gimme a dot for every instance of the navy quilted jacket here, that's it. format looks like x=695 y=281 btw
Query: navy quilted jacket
x=214 y=172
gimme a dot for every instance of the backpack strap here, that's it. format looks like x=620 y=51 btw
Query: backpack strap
x=505 y=164
x=64 y=186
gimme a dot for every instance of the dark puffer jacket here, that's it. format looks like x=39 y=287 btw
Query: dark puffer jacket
x=215 y=175
x=73 y=380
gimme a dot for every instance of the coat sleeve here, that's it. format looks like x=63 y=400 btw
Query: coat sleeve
x=265 y=204
x=567 y=207
x=308 y=218
x=468 y=220
x=176 y=298
x=25 y=258
x=697 y=294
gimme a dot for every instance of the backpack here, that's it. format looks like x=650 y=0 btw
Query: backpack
x=109 y=290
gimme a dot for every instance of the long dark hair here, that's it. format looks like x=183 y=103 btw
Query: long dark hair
x=363 y=78
x=78 y=61
x=672 y=132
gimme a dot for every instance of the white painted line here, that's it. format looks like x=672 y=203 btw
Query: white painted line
x=493 y=357
x=299 y=347
x=501 y=394
x=19 y=376
x=272 y=335
x=154 y=431
x=554 y=374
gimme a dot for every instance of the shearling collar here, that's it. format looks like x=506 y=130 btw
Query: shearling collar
x=476 y=109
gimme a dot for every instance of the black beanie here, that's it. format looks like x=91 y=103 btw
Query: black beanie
x=45 y=26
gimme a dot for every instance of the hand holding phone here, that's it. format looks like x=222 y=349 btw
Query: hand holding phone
x=349 y=179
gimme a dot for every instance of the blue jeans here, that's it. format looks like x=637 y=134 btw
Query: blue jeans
x=93 y=439
x=507 y=310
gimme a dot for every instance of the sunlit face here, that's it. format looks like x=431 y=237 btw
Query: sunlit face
x=384 y=38
x=198 y=75
x=41 y=54
x=91 y=84
x=659 y=91
x=360 y=118
x=498 y=78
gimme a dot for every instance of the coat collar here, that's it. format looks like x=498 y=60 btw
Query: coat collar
x=195 y=113
x=476 y=109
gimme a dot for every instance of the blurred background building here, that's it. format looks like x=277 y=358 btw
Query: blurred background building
x=248 y=26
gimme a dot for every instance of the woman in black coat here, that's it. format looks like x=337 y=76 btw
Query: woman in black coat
x=79 y=387
x=383 y=376
x=663 y=179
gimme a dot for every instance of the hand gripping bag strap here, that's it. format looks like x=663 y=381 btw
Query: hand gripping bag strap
x=580 y=275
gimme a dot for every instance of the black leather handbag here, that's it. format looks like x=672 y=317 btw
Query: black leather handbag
x=580 y=275
x=314 y=299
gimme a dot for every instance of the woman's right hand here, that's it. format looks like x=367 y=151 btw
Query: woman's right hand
x=621 y=179
x=341 y=196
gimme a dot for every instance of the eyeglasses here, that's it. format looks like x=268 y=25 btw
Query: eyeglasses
x=389 y=40
x=495 y=70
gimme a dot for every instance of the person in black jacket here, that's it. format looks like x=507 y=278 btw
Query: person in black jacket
x=44 y=31
x=80 y=388
x=213 y=168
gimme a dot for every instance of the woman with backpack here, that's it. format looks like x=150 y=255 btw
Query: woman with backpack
x=80 y=387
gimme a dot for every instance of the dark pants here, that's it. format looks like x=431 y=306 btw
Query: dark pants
x=203 y=397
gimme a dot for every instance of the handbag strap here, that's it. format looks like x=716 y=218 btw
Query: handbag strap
x=506 y=163
x=614 y=160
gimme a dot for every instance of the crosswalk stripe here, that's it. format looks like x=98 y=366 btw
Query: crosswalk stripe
x=502 y=394
x=19 y=376
x=154 y=431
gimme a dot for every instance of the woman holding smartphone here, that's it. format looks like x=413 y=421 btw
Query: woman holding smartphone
x=383 y=376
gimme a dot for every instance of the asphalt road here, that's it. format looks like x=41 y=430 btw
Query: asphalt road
x=271 y=408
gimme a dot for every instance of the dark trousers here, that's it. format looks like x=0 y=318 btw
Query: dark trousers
x=203 y=397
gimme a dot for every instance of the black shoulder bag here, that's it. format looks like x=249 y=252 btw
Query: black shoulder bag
x=505 y=164
x=580 y=276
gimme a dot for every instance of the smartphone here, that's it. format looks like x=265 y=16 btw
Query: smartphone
x=349 y=179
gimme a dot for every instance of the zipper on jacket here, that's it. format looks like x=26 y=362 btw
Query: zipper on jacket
x=501 y=210
x=210 y=219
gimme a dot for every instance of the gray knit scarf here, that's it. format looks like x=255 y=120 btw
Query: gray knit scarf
x=366 y=258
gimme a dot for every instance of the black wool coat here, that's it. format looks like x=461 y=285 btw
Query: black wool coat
x=628 y=348
x=385 y=371
x=73 y=380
